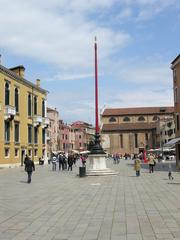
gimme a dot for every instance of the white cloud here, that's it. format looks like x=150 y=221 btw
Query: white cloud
x=57 y=32
x=126 y=13
x=142 y=97
x=73 y=105
x=147 y=71
x=147 y=75
x=64 y=76
x=61 y=32
x=147 y=9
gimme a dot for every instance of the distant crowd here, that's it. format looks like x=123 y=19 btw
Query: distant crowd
x=65 y=161
x=151 y=159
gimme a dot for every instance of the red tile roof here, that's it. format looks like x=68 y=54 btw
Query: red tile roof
x=81 y=124
x=128 y=127
x=137 y=111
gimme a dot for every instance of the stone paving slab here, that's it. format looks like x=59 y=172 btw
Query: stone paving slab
x=61 y=206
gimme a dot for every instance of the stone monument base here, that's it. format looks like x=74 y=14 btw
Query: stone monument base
x=97 y=166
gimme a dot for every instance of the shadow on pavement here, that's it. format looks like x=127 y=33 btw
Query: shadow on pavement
x=23 y=181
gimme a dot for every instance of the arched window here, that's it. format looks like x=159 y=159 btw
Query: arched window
x=7 y=93
x=170 y=132
x=141 y=119
x=126 y=119
x=29 y=105
x=155 y=118
x=16 y=99
x=112 y=119
x=35 y=105
x=169 y=124
x=43 y=108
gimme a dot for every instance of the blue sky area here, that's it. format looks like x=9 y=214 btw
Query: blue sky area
x=54 y=40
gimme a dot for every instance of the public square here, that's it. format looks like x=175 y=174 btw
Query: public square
x=60 y=205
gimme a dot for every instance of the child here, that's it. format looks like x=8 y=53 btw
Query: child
x=170 y=172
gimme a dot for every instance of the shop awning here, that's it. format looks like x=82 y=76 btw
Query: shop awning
x=172 y=142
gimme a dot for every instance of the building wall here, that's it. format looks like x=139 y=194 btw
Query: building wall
x=22 y=118
x=65 y=136
x=176 y=84
x=146 y=138
x=176 y=88
x=128 y=142
x=53 y=131
x=168 y=131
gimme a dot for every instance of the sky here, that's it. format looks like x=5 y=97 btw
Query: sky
x=54 y=40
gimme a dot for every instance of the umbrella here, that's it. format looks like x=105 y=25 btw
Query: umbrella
x=85 y=152
x=75 y=151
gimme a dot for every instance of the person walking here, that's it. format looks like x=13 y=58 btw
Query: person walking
x=29 y=168
x=64 y=161
x=83 y=159
x=170 y=172
x=137 y=165
x=70 y=162
x=152 y=163
x=61 y=165
x=54 y=161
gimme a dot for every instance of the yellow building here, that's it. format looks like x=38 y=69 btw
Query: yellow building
x=23 y=120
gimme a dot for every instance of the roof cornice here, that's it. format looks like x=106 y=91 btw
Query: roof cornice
x=13 y=75
x=175 y=61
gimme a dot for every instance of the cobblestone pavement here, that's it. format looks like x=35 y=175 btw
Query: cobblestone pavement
x=61 y=206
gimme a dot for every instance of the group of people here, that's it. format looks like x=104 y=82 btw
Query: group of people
x=137 y=163
x=66 y=161
x=152 y=163
x=116 y=158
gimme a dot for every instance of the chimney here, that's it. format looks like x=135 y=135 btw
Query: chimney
x=19 y=70
x=38 y=81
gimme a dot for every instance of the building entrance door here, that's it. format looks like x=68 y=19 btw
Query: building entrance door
x=22 y=156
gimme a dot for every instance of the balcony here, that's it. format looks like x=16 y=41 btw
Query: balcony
x=45 y=122
x=37 y=120
x=9 y=112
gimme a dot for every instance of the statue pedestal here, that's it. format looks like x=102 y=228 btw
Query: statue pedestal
x=97 y=166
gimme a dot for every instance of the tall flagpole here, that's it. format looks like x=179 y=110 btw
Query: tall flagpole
x=97 y=156
x=97 y=148
x=96 y=89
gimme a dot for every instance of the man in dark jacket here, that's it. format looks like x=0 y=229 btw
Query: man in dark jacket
x=61 y=164
x=29 y=168
x=70 y=162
